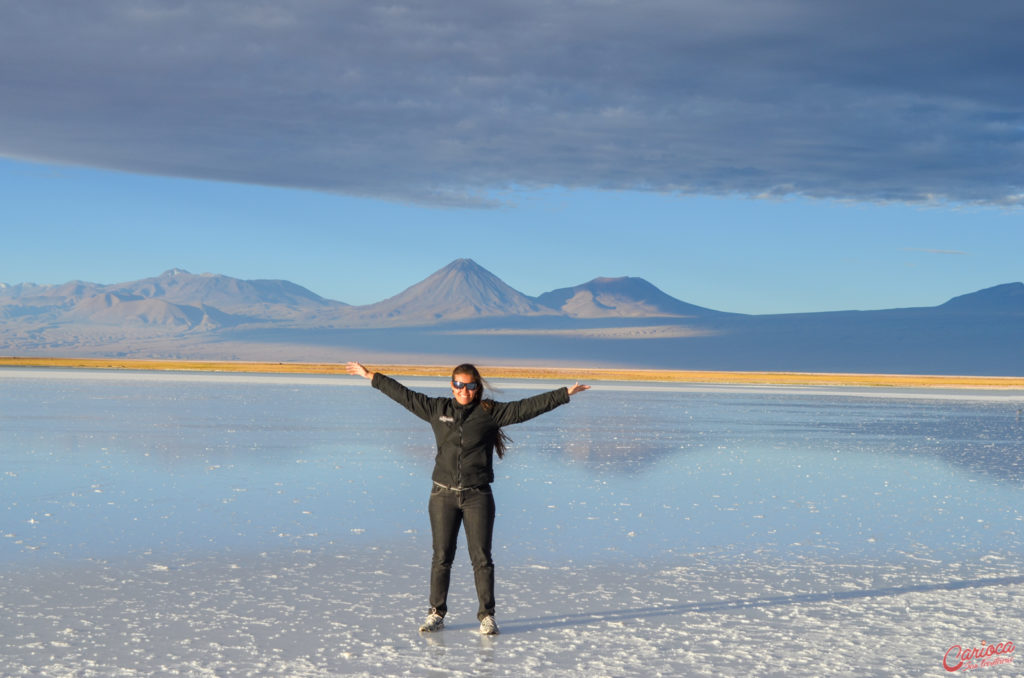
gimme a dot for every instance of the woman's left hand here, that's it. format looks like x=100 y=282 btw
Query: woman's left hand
x=358 y=370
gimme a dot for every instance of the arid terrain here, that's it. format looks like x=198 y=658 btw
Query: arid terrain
x=674 y=376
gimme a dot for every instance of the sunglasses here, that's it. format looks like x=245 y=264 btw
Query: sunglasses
x=468 y=385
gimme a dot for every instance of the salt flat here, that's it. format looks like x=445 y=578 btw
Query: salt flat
x=226 y=525
x=304 y=614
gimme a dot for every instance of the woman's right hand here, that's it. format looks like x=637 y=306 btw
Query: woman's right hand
x=576 y=388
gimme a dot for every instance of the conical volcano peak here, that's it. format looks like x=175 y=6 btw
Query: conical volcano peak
x=462 y=289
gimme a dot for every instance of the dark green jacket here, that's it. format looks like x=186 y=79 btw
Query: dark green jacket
x=466 y=434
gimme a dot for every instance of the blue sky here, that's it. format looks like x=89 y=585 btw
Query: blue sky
x=751 y=157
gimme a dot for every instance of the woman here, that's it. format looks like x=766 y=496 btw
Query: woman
x=467 y=428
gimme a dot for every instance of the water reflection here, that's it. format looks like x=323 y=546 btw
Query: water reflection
x=628 y=433
x=144 y=464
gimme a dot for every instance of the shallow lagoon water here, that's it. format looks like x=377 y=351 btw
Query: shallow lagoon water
x=640 y=495
x=125 y=465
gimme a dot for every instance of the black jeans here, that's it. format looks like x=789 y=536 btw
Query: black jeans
x=475 y=510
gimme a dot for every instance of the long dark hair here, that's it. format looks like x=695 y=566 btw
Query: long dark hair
x=502 y=440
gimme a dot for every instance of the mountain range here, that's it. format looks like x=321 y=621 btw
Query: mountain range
x=464 y=312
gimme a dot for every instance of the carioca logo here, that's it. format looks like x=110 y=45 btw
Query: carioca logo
x=957 y=656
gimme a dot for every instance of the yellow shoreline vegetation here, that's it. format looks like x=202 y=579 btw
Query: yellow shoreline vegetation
x=549 y=373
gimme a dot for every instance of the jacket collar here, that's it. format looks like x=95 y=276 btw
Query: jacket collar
x=464 y=408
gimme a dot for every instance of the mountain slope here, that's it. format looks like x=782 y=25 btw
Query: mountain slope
x=176 y=299
x=462 y=289
x=464 y=312
x=230 y=295
x=1008 y=298
x=39 y=302
x=618 y=298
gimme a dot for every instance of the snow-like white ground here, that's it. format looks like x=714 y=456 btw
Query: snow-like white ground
x=317 y=615
x=276 y=528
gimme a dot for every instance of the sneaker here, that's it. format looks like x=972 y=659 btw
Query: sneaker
x=488 y=626
x=434 y=622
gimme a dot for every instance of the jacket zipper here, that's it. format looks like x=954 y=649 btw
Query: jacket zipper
x=458 y=462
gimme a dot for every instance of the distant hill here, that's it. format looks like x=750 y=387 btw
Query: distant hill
x=1003 y=299
x=229 y=295
x=462 y=289
x=464 y=312
x=618 y=298
x=176 y=299
x=115 y=310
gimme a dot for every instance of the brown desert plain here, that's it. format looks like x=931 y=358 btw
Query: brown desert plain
x=574 y=374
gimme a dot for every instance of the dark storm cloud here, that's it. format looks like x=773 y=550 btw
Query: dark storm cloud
x=443 y=102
